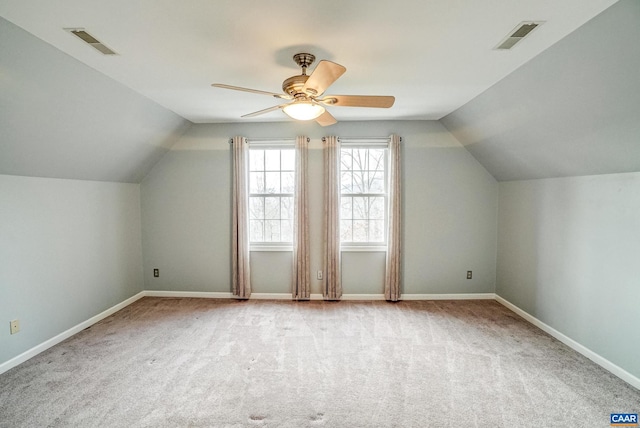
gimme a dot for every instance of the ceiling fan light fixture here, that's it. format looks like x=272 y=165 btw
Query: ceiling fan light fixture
x=303 y=110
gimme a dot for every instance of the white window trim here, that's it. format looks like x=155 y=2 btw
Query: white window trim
x=266 y=144
x=270 y=247
x=372 y=248
x=366 y=144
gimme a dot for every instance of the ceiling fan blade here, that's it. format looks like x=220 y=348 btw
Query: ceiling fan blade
x=325 y=73
x=378 y=101
x=253 y=91
x=326 y=119
x=267 y=110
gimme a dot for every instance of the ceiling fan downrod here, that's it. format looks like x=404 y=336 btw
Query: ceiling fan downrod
x=304 y=60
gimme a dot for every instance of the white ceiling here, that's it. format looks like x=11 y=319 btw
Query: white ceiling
x=433 y=55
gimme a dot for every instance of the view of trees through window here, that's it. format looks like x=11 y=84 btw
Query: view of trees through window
x=363 y=195
x=271 y=187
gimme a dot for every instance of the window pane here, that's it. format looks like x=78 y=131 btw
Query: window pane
x=256 y=160
x=376 y=231
x=272 y=160
x=272 y=184
x=346 y=210
x=360 y=208
x=360 y=182
x=256 y=182
x=272 y=230
x=271 y=208
x=271 y=171
x=360 y=230
x=376 y=182
x=288 y=182
x=286 y=208
x=288 y=160
x=360 y=159
x=345 y=159
x=376 y=208
x=346 y=230
x=376 y=160
x=286 y=232
x=346 y=182
x=256 y=207
x=256 y=230
x=363 y=218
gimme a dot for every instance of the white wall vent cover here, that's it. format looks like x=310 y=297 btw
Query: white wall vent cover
x=520 y=32
x=90 y=40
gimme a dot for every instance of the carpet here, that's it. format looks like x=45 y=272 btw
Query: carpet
x=165 y=362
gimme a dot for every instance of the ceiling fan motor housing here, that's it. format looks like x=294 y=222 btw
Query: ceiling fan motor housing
x=293 y=85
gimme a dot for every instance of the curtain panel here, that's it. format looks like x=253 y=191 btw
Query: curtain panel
x=332 y=286
x=394 y=233
x=241 y=278
x=301 y=269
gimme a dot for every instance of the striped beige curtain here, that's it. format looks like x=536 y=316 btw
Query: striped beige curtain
x=393 y=267
x=332 y=289
x=241 y=277
x=301 y=281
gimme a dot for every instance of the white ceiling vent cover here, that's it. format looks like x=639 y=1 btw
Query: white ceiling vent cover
x=520 y=32
x=90 y=40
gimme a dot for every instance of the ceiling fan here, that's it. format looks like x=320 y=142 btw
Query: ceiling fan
x=305 y=93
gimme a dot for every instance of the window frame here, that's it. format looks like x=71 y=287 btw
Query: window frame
x=270 y=145
x=354 y=246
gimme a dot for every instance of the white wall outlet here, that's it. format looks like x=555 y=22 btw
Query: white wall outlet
x=319 y=275
x=14 y=326
x=469 y=274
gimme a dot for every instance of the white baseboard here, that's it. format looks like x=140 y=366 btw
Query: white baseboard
x=8 y=365
x=191 y=294
x=455 y=296
x=314 y=296
x=596 y=358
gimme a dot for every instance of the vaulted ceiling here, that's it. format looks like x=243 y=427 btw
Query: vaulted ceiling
x=562 y=102
x=433 y=56
x=572 y=110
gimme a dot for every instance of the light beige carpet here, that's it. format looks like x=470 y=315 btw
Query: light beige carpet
x=223 y=363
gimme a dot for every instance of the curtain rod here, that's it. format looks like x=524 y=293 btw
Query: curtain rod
x=270 y=140
x=363 y=139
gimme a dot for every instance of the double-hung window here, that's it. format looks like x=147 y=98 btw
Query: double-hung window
x=271 y=189
x=363 y=195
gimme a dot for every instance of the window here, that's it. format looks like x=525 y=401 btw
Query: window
x=363 y=195
x=271 y=187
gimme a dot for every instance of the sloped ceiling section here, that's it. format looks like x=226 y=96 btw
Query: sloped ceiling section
x=62 y=119
x=572 y=110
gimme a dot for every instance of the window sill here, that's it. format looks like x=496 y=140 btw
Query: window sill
x=363 y=248
x=260 y=248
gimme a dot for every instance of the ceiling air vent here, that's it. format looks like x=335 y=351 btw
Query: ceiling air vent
x=520 y=32
x=90 y=40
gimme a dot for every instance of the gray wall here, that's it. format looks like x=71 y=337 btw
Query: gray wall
x=61 y=119
x=570 y=111
x=568 y=255
x=450 y=213
x=69 y=250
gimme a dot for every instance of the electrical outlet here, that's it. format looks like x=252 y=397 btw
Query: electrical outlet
x=319 y=274
x=14 y=326
x=156 y=273
x=469 y=274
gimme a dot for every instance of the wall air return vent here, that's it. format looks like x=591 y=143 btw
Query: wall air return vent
x=90 y=40
x=520 y=32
